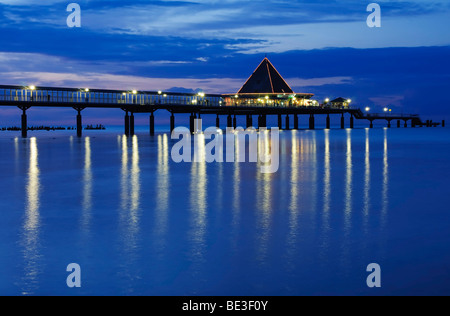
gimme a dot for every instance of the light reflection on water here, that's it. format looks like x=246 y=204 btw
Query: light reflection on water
x=162 y=192
x=87 y=189
x=264 y=204
x=330 y=206
x=130 y=212
x=32 y=224
x=198 y=204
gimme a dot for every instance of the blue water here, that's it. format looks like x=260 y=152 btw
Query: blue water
x=139 y=224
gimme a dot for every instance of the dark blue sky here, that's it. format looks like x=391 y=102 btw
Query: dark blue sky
x=322 y=47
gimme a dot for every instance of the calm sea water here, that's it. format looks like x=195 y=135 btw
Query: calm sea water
x=139 y=224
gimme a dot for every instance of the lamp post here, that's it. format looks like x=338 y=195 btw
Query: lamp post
x=32 y=88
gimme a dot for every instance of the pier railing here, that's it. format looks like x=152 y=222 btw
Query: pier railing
x=116 y=98
x=87 y=96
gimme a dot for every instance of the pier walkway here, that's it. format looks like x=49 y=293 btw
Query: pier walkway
x=134 y=102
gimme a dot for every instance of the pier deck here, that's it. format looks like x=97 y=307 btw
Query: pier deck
x=133 y=102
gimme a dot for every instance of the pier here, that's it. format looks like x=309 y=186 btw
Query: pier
x=264 y=94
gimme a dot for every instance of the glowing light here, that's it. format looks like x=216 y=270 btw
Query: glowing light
x=349 y=101
x=327 y=100
x=267 y=97
x=367 y=109
x=201 y=94
x=32 y=88
x=86 y=90
x=134 y=92
x=386 y=109
x=236 y=96
x=124 y=93
x=160 y=92
x=165 y=95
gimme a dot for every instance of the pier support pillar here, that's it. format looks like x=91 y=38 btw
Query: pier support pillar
x=127 y=124
x=288 y=127
x=280 y=124
x=152 y=124
x=229 y=121
x=191 y=123
x=260 y=123
x=406 y=123
x=296 y=121
x=312 y=123
x=264 y=120
x=328 y=124
x=398 y=124
x=352 y=122
x=371 y=123
x=342 y=122
x=443 y=123
x=413 y=123
x=132 y=124
x=250 y=121
x=235 y=122
x=217 y=121
x=389 y=124
x=79 y=124
x=24 y=123
x=172 y=123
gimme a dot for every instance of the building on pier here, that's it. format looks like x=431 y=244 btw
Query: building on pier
x=340 y=103
x=266 y=87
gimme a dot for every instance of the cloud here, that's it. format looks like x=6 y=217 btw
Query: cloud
x=123 y=82
x=393 y=100
x=249 y=26
x=318 y=82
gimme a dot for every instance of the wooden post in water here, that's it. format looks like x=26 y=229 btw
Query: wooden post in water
x=172 y=123
x=229 y=121
x=312 y=124
x=132 y=124
x=352 y=122
x=152 y=124
x=288 y=127
x=127 y=124
x=249 y=121
x=24 y=122
x=342 y=121
x=296 y=121
x=280 y=124
x=191 y=121
x=79 y=124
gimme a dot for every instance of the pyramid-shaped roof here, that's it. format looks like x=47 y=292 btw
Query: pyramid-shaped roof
x=339 y=100
x=266 y=80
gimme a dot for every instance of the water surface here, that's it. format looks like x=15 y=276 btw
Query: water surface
x=140 y=224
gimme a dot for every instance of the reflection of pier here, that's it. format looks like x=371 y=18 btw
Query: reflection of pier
x=265 y=93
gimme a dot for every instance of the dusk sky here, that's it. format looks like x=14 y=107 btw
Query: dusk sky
x=321 y=47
